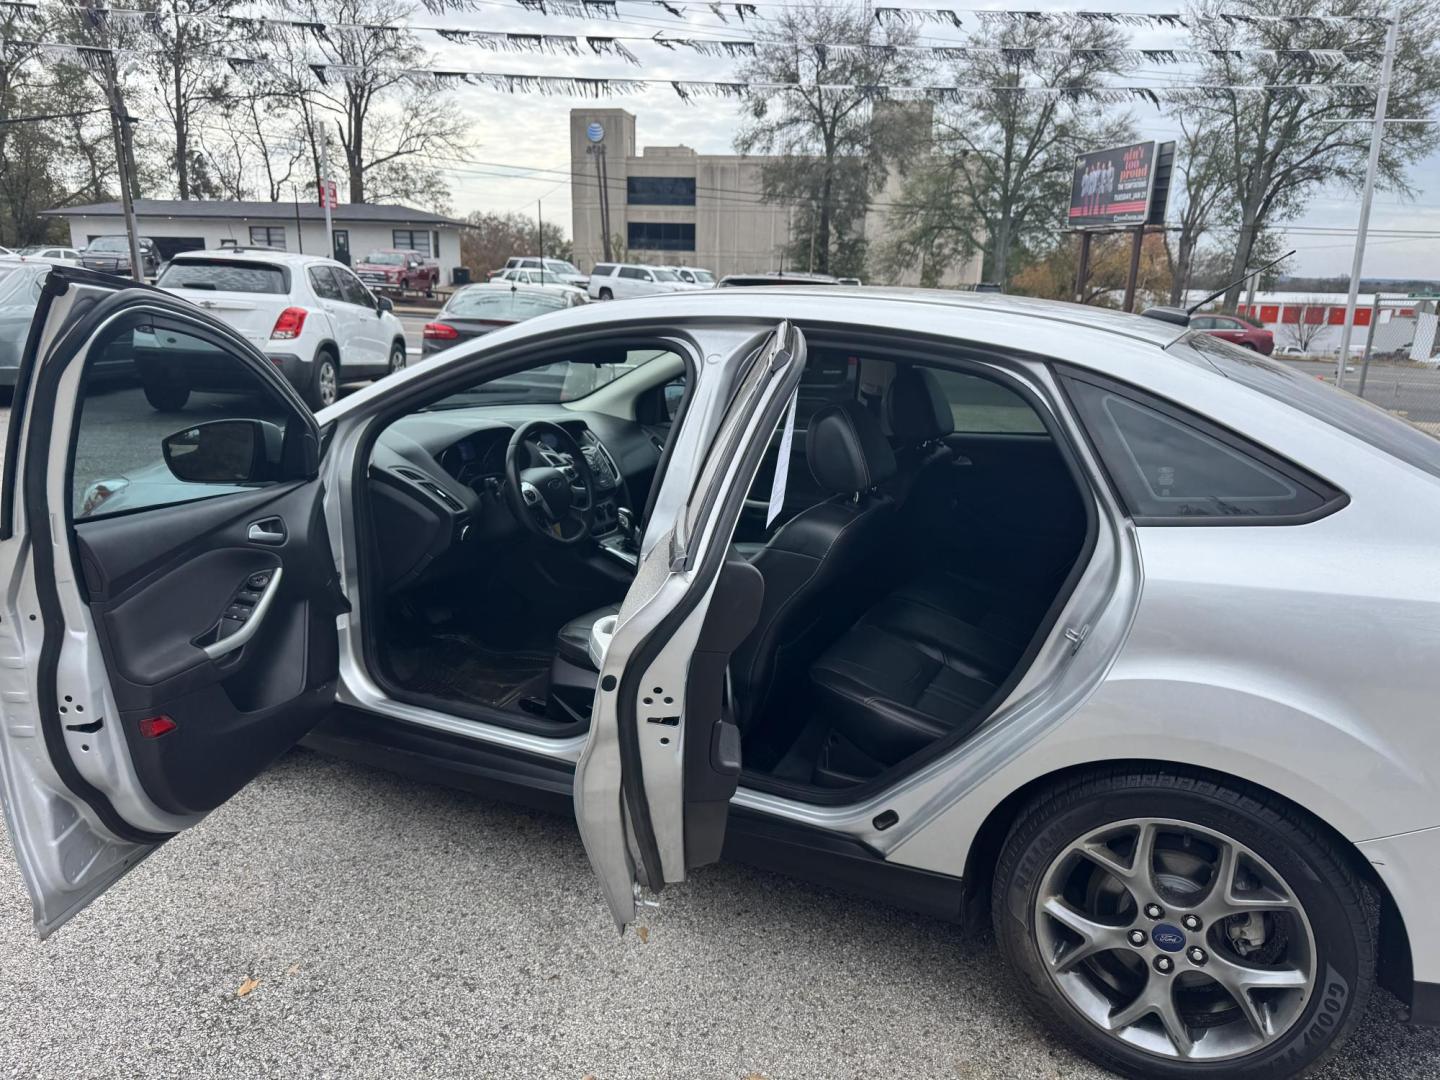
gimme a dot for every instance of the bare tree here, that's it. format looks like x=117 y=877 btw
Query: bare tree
x=390 y=130
x=1280 y=145
x=832 y=154
x=1311 y=325
x=1205 y=190
x=1002 y=164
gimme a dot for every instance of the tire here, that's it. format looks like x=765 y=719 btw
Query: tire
x=166 y=398
x=324 y=388
x=1322 y=947
x=398 y=357
x=1248 y=345
x=606 y=294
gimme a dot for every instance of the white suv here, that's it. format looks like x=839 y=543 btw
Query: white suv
x=310 y=315
x=542 y=271
x=616 y=281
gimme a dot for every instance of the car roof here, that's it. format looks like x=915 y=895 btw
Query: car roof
x=248 y=254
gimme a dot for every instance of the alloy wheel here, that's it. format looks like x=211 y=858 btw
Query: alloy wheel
x=327 y=384
x=398 y=359
x=1175 y=939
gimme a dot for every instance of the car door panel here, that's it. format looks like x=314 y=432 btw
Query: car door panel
x=662 y=757
x=235 y=713
x=120 y=727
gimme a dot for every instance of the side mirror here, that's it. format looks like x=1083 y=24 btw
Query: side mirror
x=225 y=452
x=383 y=304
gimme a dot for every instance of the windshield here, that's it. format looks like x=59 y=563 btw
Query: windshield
x=109 y=243
x=703 y=276
x=385 y=258
x=550 y=384
x=217 y=275
x=507 y=304
x=559 y=266
x=1352 y=415
x=664 y=275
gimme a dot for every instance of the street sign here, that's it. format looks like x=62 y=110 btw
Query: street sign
x=327 y=194
x=1113 y=187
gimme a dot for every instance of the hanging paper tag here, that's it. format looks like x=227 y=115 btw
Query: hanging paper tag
x=782 y=463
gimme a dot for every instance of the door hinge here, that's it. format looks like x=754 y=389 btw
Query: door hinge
x=1076 y=636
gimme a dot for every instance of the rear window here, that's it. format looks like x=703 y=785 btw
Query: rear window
x=1352 y=415
x=109 y=243
x=503 y=304
x=216 y=275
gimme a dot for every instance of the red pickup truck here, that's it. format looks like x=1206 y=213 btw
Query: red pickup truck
x=392 y=268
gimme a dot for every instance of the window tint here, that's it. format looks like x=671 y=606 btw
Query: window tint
x=984 y=407
x=632 y=272
x=350 y=288
x=1354 y=416
x=141 y=385
x=1171 y=465
x=217 y=275
x=602 y=269
x=660 y=236
x=322 y=280
x=660 y=190
x=830 y=375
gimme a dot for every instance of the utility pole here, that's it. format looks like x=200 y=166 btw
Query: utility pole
x=120 y=122
x=325 y=196
x=299 y=233
x=540 y=238
x=1382 y=101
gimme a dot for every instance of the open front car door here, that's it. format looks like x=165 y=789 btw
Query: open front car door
x=653 y=786
x=168 y=624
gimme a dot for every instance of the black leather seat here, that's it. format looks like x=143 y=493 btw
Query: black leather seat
x=818 y=569
x=572 y=643
x=808 y=599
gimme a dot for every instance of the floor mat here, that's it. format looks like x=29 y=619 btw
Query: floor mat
x=459 y=667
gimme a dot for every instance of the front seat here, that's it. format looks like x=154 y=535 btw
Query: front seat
x=812 y=568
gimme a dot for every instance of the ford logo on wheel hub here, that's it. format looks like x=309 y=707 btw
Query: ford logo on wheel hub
x=1170 y=938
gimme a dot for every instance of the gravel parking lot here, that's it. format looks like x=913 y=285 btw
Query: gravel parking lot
x=336 y=921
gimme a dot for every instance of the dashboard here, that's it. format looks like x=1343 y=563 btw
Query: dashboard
x=438 y=480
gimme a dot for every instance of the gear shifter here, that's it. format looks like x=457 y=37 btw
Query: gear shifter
x=625 y=521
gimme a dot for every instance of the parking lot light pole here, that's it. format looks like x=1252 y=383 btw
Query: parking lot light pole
x=1382 y=100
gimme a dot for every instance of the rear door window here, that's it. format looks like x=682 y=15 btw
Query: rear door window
x=322 y=280
x=1172 y=467
x=222 y=275
x=602 y=270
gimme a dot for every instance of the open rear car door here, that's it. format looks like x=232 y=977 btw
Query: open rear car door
x=168 y=624
x=653 y=786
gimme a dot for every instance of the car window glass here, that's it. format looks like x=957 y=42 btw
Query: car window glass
x=1165 y=467
x=141 y=385
x=217 y=275
x=1356 y=417
x=490 y=303
x=550 y=384
x=602 y=270
x=983 y=406
x=630 y=272
x=350 y=288
x=322 y=280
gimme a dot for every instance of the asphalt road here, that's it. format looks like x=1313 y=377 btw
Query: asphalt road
x=389 y=929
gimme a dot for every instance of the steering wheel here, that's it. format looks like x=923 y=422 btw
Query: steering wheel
x=556 y=497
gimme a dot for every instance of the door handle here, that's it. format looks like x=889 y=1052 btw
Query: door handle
x=268 y=531
x=228 y=644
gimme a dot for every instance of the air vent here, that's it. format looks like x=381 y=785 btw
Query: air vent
x=422 y=481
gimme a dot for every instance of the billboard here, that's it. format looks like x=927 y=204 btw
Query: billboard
x=1113 y=187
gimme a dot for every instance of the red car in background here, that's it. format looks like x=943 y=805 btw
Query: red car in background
x=1234 y=328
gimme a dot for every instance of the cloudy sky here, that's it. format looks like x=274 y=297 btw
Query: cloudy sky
x=520 y=153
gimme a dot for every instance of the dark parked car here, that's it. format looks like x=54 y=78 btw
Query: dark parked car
x=481 y=309
x=111 y=255
x=1235 y=329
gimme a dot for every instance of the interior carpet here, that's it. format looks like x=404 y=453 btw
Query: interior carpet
x=458 y=666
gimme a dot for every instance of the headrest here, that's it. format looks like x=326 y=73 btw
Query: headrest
x=916 y=407
x=846 y=449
